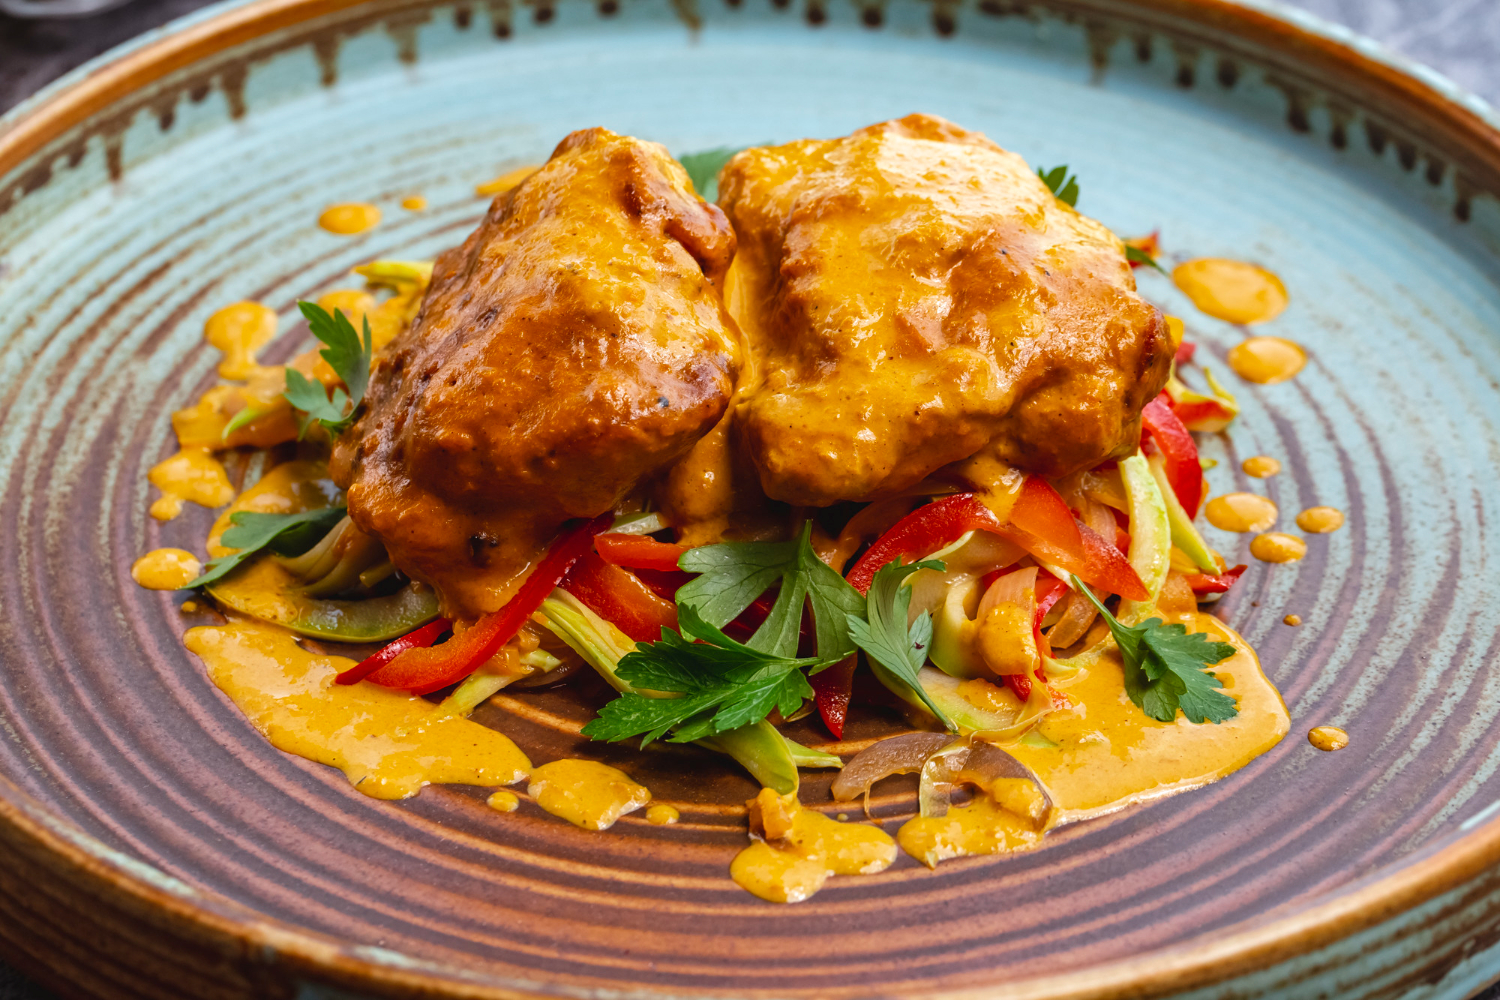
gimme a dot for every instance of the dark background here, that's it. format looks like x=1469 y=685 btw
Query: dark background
x=1458 y=37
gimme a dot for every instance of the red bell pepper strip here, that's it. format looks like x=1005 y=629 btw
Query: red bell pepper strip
x=1185 y=352
x=422 y=671
x=1042 y=523
x=831 y=690
x=617 y=596
x=924 y=530
x=419 y=638
x=638 y=551
x=1179 y=451
x=1049 y=590
x=664 y=585
x=1207 y=583
x=1039 y=521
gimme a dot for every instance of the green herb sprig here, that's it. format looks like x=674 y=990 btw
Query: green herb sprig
x=1138 y=256
x=896 y=650
x=703 y=169
x=1060 y=184
x=713 y=685
x=1166 y=668
x=283 y=534
x=348 y=356
x=733 y=574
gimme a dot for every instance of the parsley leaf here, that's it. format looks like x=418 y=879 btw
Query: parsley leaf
x=721 y=685
x=1060 y=184
x=733 y=574
x=283 y=534
x=897 y=651
x=1165 y=668
x=1138 y=256
x=703 y=169
x=347 y=355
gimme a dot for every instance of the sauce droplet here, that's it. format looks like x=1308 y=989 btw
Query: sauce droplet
x=1240 y=512
x=1231 y=290
x=414 y=203
x=240 y=330
x=1267 y=360
x=661 y=814
x=191 y=474
x=804 y=848
x=1277 y=547
x=503 y=800
x=1261 y=467
x=188 y=607
x=165 y=569
x=1321 y=520
x=505 y=182
x=346 y=220
x=1328 y=738
x=388 y=743
x=1292 y=620
x=586 y=793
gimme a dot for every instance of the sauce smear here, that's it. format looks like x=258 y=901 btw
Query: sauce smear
x=191 y=474
x=240 y=331
x=983 y=826
x=804 y=848
x=586 y=793
x=1267 y=360
x=1231 y=290
x=1240 y=512
x=388 y=743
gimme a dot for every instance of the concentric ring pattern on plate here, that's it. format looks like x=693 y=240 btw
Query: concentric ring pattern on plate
x=104 y=286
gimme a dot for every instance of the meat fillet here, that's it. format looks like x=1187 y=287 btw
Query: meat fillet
x=572 y=348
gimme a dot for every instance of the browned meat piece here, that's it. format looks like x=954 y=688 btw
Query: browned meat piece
x=574 y=346
x=912 y=294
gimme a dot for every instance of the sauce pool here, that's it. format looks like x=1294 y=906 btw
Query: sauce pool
x=586 y=793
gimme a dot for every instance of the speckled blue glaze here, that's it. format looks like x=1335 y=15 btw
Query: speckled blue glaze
x=127 y=233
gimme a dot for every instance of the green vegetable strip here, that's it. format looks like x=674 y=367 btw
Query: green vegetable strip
x=1184 y=534
x=1150 y=535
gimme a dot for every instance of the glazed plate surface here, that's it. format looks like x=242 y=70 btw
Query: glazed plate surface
x=199 y=183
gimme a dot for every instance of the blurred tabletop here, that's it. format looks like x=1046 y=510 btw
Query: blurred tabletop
x=1460 y=38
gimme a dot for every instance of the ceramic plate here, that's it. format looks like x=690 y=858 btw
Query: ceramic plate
x=153 y=844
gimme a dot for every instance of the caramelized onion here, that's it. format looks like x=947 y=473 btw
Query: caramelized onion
x=894 y=755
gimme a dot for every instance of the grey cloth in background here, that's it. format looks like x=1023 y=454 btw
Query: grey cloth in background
x=1458 y=37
